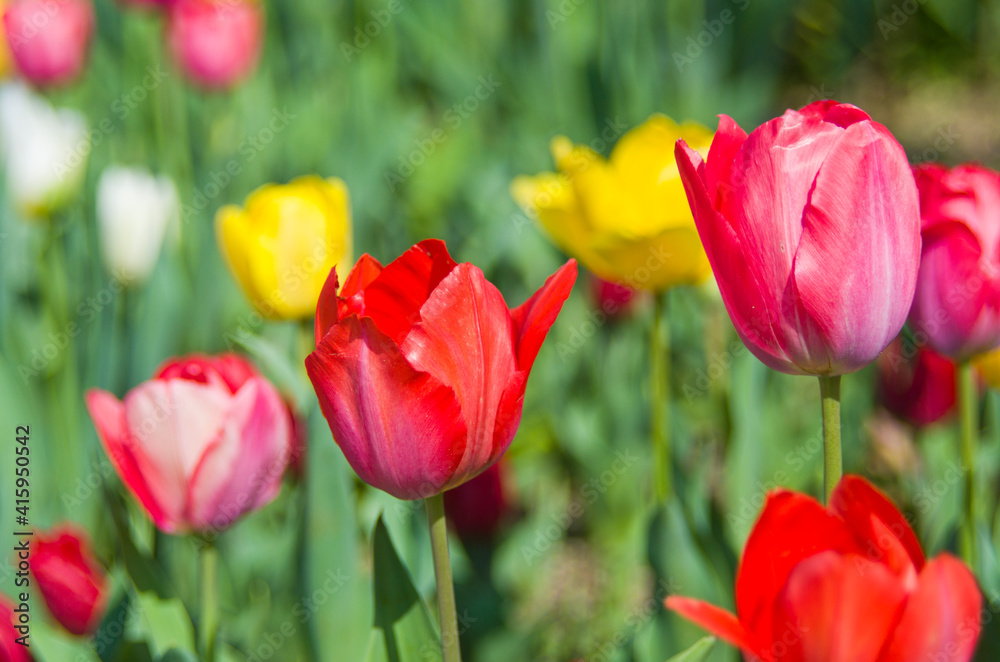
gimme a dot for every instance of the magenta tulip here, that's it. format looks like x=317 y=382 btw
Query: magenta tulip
x=14 y=626
x=216 y=42
x=957 y=304
x=812 y=227
x=49 y=38
x=206 y=440
x=916 y=383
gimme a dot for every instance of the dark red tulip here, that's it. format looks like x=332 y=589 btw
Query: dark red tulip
x=476 y=508
x=613 y=299
x=916 y=383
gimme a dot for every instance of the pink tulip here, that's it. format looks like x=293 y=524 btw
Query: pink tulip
x=71 y=581
x=206 y=440
x=48 y=38
x=11 y=629
x=216 y=42
x=812 y=228
x=957 y=305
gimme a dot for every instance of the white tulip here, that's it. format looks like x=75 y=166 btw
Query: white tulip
x=43 y=149
x=134 y=209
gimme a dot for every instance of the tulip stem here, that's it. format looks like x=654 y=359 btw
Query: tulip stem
x=833 y=458
x=659 y=347
x=966 y=391
x=209 y=625
x=442 y=573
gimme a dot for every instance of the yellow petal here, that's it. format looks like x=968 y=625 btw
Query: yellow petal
x=988 y=366
x=672 y=257
x=232 y=229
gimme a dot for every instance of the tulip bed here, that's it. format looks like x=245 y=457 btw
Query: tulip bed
x=392 y=331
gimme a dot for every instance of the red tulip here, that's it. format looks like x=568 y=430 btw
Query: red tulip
x=10 y=650
x=216 y=42
x=420 y=368
x=48 y=38
x=476 y=508
x=957 y=304
x=916 y=383
x=847 y=583
x=71 y=581
x=206 y=440
x=613 y=299
x=812 y=228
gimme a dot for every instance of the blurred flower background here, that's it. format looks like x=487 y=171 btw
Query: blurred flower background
x=135 y=140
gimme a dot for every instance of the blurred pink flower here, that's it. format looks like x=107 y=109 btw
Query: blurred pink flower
x=49 y=38
x=203 y=442
x=71 y=581
x=216 y=42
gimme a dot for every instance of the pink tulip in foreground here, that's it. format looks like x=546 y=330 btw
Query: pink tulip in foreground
x=957 y=305
x=812 y=227
x=216 y=42
x=420 y=368
x=48 y=39
x=206 y=440
x=69 y=578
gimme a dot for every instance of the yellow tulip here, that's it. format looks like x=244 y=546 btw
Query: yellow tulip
x=283 y=243
x=988 y=366
x=626 y=218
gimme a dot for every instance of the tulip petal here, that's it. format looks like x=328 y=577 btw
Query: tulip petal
x=836 y=608
x=393 y=299
x=401 y=430
x=718 y=621
x=863 y=211
x=791 y=527
x=327 y=306
x=718 y=167
x=365 y=270
x=533 y=318
x=941 y=621
x=108 y=414
x=739 y=284
x=464 y=339
x=879 y=527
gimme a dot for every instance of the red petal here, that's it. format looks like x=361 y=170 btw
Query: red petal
x=401 y=430
x=836 y=608
x=718 y=621
x=792 y=527
x=533 y=318
x=352 y=295
x=394 y=298
x=327 y=306
x=941 y=621
x=718 y=167
x=463 y=339
x=877 y=524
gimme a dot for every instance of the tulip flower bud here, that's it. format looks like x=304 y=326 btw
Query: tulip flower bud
x=71 y=581
x=845 y=582
x=10 y=648
x=49 y=38
x=916 y=383
x=133 y=211
x=957 y=303
x=42 y=149
x=203 y=442
x=812 y=227
x=420 y=368
x=283 y=243
x=216 y=42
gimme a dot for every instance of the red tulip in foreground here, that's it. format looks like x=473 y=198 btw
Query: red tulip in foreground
x=206 y=440
x=10 y=650
x=420 y=368
x=957 y=304
x=812 y=228
x=847 y=583
x=216 y=42
x=49 y=38
x=69 y=578
x=916 y=383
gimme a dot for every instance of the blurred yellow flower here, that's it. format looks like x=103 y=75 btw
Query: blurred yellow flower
x=626 y=218
x=282 y=245
x=988 y=366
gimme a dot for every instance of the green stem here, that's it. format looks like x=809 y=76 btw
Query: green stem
x=209 y=625
x=833 y=459
x=966 y=391
x=442 y=573
x=659 y=347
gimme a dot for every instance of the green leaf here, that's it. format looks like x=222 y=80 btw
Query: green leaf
x=696 y=653
x=165 y=624
x=133 y=651
x=404 y=630
x=178 y=655
x=50 y=643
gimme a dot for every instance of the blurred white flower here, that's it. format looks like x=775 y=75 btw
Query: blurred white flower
x=43 y=149
x=134 y=209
